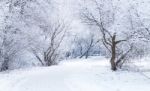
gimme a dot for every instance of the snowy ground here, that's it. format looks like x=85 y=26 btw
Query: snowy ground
x=76 y=75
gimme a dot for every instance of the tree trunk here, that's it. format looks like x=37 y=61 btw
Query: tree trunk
x=5 y=65
x=113 y=53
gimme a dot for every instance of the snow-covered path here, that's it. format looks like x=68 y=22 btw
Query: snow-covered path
x=79 y=75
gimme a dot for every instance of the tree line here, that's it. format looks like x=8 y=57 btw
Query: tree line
x=35 y=28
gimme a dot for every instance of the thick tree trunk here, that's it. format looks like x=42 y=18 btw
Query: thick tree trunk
x=113 y=53
x=112 y=61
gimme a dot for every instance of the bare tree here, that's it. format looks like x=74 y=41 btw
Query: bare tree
x=53 y=36
x=83 y=46
x=86 y=53
x=104 y=20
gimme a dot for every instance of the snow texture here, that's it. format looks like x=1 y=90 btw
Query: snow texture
x=74 y=75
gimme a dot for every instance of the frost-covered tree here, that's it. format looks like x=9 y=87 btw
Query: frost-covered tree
x=47 y=47
x=103 y=15
x=23 y=24
x=84 y=46
x=11 y=39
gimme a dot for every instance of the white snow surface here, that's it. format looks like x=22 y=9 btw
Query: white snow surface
x=93 y=74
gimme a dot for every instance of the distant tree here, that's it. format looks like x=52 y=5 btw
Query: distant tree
x=84 y=46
